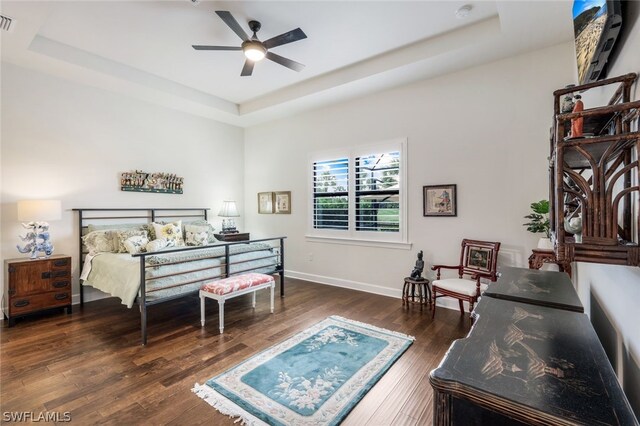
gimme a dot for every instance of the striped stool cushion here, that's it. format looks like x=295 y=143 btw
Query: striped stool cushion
x=236 y=283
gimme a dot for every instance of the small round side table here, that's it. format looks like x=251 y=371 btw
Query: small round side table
x=409 y=291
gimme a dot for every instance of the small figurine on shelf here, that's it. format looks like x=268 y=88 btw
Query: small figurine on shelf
x=416 y=274
x=567 y=102
x=577 y=124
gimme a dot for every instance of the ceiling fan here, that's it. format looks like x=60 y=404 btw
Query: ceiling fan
x=254 y=49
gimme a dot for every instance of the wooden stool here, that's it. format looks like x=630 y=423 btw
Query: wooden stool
x=409 y=291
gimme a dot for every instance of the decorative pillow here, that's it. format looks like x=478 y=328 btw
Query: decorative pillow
x=210 y=229
x=124 y=235
x=196 y=235
x=156 y=245
x=99 y=241
x=136 y=244
x=171 y=231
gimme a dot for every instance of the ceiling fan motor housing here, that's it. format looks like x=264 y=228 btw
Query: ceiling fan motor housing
x=255 y=26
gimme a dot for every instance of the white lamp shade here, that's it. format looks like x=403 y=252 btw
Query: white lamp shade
x=228 y=209
x=39 y=210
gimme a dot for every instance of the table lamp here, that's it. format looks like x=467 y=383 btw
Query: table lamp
x=228 y=210
x=33 y=214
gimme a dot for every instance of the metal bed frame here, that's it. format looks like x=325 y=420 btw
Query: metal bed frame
x=148 y=215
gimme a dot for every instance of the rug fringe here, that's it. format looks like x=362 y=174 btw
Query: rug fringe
x=373 y=327
x=226 y=407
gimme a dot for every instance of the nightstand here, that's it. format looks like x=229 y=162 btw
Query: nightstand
x=37 y=285
x=238 y=236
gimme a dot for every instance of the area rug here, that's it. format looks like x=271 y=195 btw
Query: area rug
x=313 y=378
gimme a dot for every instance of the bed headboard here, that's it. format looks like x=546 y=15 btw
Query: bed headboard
x=117 y=216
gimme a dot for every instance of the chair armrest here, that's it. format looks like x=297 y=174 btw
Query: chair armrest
x=478 y=275
x=438 y=267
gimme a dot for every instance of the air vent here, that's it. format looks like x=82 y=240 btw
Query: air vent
x=5 y=23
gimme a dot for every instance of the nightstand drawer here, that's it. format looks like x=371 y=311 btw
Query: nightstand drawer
x=23 y=305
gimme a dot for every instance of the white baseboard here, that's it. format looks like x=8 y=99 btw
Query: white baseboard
x=447 y=303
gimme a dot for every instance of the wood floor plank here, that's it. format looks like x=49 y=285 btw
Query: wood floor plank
x=91 y=363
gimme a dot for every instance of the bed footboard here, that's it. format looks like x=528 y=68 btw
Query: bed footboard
x=165 y=278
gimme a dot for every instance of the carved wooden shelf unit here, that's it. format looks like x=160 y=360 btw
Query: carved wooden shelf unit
x=596 y=177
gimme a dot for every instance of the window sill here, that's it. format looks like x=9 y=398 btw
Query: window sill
x=359 y=242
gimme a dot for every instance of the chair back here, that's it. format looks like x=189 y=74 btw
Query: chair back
x=479 y=258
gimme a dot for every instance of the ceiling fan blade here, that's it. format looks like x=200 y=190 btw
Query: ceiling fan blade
x=247 y=69
x=296 y=66
x=289 y=37
x=198 y=47
x=232 y=23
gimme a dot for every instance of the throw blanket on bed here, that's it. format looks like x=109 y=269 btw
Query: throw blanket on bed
x=118 y=274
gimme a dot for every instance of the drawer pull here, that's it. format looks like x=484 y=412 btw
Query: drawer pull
x=59 y=274
x=61 y=284
x=46 y=275
x=61 y=262
x=21 y=303
x=62 y=296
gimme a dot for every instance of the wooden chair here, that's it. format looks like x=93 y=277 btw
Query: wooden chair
x=478 y=260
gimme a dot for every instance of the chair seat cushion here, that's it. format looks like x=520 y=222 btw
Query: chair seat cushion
x=236 y=283
x=459 y=285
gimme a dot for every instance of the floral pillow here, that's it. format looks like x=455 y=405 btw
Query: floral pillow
x=202 y=223
x=124 y=235
x=196 y=235
x=99 y=241
x=157 y=244
x=172 y=232
x=136 y=244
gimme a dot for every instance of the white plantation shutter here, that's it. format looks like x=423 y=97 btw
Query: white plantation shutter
x=377 y=192
x=330 y=194
x=358 y=193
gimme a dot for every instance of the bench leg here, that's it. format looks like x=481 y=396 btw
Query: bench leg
x=272 y=289
x=253 y=300
x=202 y=310
x=221 y=309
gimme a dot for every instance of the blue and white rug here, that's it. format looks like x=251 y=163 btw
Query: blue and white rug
x=313 y=378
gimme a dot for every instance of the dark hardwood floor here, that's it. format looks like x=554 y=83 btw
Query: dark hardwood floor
x=91 y=363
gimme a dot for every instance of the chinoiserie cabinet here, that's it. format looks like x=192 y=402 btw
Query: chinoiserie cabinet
x=36 y=285
x=594 y=192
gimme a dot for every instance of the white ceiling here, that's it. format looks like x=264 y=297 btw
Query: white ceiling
x=143 y=48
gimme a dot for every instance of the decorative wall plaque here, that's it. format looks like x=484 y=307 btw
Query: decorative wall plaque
x=139 y=181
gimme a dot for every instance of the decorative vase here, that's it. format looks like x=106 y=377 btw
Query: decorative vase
x=545 y=244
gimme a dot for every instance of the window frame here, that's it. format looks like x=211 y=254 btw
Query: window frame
x=351 y=235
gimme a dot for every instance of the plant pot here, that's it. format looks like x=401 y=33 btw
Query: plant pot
x=545 y=244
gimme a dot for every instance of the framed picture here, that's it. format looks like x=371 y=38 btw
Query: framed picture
x=478 y=258
x=265 y=202
x=439 y=200
x=282 y=201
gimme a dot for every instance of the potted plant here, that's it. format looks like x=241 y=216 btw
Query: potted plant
x=539 y=223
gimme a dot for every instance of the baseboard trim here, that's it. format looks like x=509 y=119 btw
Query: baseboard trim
x=352 y=285
x=396 y=293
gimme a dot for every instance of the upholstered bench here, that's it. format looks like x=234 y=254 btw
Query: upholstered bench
x=231 y=287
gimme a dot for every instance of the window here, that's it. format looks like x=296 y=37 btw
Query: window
x=359 y=193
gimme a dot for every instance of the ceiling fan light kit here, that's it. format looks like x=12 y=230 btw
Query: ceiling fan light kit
x=255 y=50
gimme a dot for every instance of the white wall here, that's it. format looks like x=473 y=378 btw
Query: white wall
x=485 y=129
x=65 y=141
